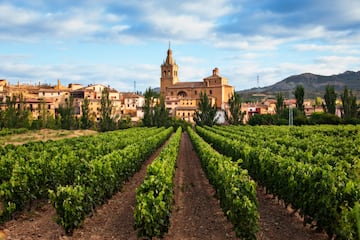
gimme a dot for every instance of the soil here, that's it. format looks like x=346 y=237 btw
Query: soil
x=196 y=212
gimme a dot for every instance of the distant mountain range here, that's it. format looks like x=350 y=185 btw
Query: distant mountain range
x=314 y=85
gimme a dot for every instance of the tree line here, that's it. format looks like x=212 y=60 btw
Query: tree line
x=349 y=109
x=207 y=112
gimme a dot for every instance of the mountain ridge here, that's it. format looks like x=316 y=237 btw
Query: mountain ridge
x=314 y=84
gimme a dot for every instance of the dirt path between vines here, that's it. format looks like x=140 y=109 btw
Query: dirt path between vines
x=196 y=212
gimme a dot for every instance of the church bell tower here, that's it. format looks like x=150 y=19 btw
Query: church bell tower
x=169 y=72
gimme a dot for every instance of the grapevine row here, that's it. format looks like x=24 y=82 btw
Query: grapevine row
x=235 y=189
x=155 y=195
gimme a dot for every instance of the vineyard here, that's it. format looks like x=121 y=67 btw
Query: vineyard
x=316 y=170
x=313 y=170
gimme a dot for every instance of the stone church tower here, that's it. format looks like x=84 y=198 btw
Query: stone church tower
x=169 y=73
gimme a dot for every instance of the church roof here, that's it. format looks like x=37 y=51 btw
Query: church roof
x=187 y=85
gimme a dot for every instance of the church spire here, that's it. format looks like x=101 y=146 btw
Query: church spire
x=169 y=58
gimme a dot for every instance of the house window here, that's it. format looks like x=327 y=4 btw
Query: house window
x=195 y=92
x=210 y=91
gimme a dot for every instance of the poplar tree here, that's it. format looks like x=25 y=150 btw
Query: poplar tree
x=299 y=96
x=279 y=103
x=85 y=117
x=161 y=114
x=206 y=115
x=330 y=100
x=349 y=104
x=149 y=118
x=236 y=116
x=106 y=122
x=66 y=112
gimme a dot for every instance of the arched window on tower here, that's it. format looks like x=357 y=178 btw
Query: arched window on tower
x=164 y=73
x=169 y=73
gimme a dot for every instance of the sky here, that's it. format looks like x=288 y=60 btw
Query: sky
x=119 y=43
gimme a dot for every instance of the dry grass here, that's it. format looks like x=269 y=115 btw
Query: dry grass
x=43 y=135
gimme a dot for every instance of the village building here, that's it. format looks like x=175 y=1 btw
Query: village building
x=182 y=98
x=132 y=105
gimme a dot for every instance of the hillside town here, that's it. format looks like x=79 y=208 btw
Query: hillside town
x=181 y=98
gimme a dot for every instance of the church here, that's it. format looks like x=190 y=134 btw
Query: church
x=182 y=98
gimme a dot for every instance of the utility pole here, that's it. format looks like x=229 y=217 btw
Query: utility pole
x=291 y=116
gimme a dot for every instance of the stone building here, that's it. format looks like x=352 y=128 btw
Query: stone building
x=182 y=98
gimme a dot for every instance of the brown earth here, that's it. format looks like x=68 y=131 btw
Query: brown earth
x=196 y=212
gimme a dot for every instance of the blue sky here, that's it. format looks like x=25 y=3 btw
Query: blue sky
x=116 y=42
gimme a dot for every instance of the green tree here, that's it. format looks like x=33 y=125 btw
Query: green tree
x=45 y=118
x=150 y=100
x=349 y=104
x=236 y=116
x=279 y=103
x=85 y=121
x=106 y=122
x=124 y=122
x=161 y=114
x=16 y=114
x=206 y=115
x=66 y=111
x=330 y=100
x=299 y=96
x=10 y=112
x=23 y=114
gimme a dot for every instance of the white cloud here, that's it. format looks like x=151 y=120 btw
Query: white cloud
x=14 y=16
x=185 y=27
x=21 y=24
x=249 y=43
x=120 y=77
x=208 y=8
x=349 y=49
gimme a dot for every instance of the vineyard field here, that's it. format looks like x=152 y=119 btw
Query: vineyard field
x=155 y=182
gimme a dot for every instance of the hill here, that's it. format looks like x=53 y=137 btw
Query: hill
x=314 y=85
